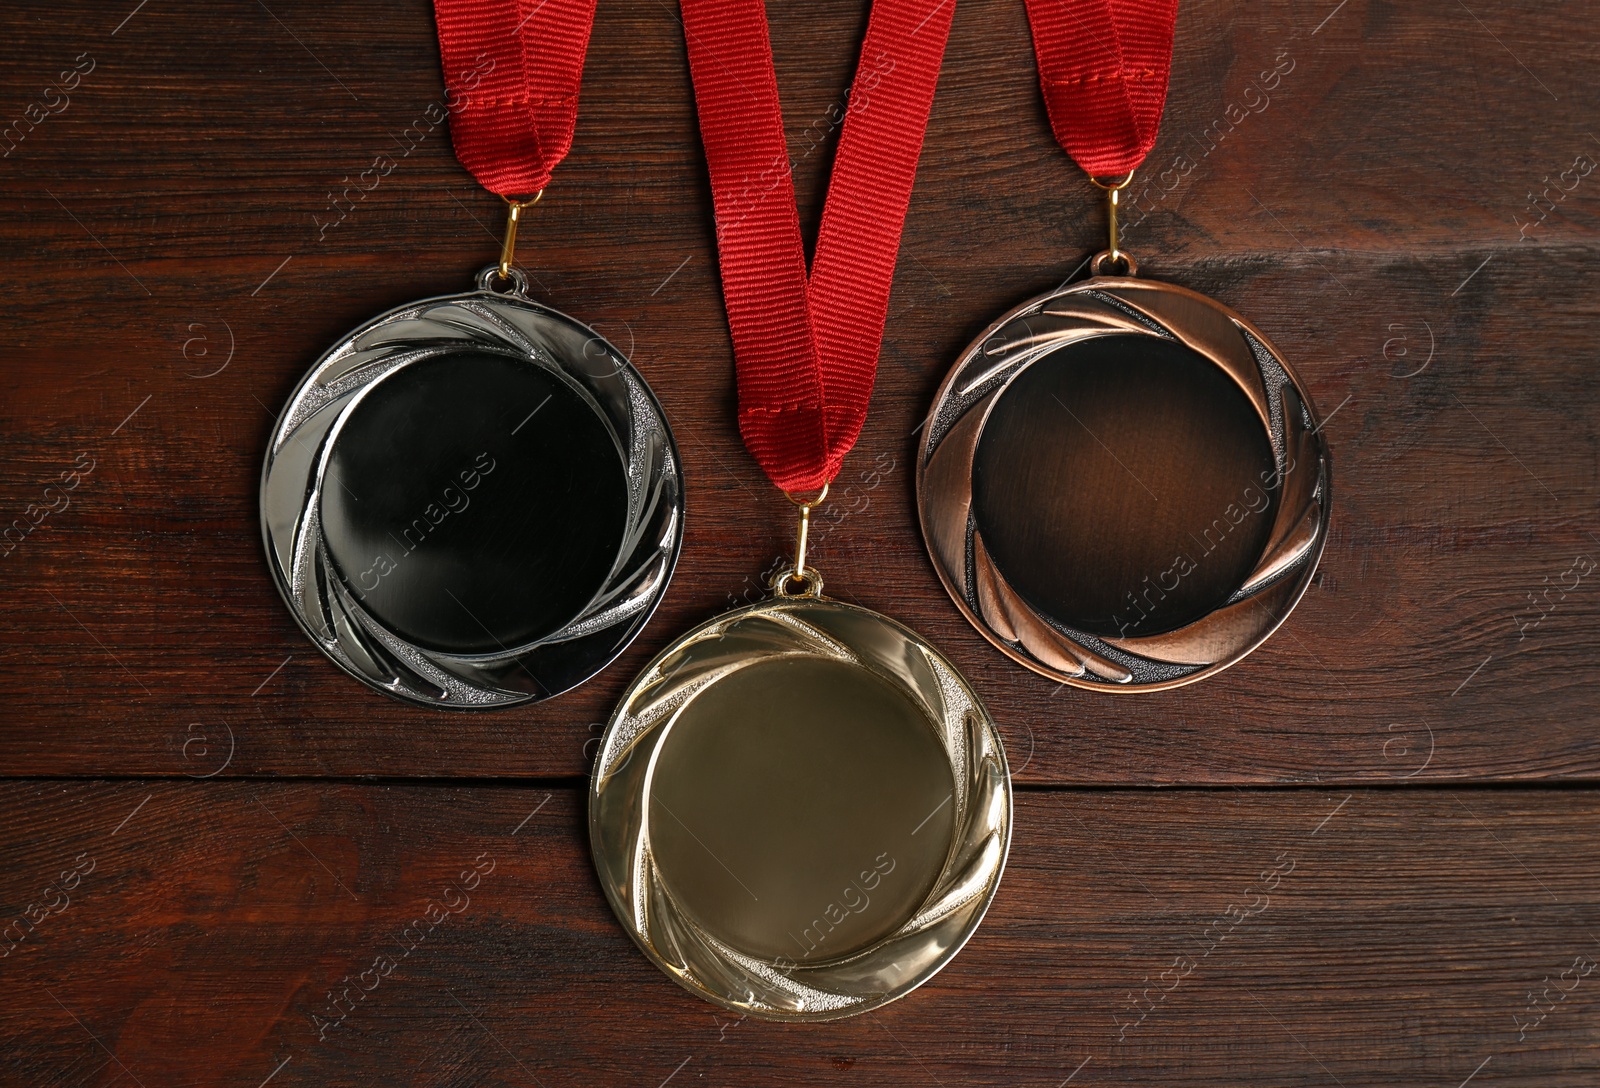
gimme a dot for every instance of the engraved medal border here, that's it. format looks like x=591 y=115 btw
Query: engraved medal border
x=778 y=989
x=512 y=325
x=1105 y=306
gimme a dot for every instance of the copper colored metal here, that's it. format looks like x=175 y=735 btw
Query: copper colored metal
x=1122 y=485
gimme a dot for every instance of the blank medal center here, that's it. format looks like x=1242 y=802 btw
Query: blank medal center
x=1124 y=485
x=474 y=503
x=801 y=809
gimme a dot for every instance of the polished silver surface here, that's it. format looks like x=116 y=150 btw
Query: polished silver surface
x=598 y=539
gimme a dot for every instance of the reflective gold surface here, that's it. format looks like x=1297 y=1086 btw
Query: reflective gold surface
x=800 y=808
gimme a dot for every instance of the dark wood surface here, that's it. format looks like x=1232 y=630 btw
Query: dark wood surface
x=170 y=272
x=1316 y=937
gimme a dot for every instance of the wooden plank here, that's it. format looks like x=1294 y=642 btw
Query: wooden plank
x=1364 y=937
x=171 y=277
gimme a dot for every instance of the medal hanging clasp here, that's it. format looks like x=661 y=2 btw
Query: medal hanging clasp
x=1103 y=262
x=508 y=247
x=807 y=577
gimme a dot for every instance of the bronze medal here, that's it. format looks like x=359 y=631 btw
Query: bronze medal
x=1122 y=485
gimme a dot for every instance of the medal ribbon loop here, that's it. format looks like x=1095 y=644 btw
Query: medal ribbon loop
x=516 y=66
x=806 y=345
x=1103 y=68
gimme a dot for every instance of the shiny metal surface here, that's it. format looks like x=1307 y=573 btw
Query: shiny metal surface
x=800 y=811
x=1122 y=485
x=472 y=501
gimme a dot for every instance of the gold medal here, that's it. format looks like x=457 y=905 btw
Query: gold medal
x=800 y=810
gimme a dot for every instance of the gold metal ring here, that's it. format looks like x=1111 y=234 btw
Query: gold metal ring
x=1111 y=186
x=784 y=579
x=508 y=247
x=1113 y=190
x=1100 y=264
x=806 y=504
x=802 y=534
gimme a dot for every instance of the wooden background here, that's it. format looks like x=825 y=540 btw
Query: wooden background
x=1368 y=855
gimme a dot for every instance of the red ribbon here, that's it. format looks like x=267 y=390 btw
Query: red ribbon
x=515 y=66
x=1103 y=67
x=806 y=347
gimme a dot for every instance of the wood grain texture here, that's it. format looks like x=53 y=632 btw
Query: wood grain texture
x=1366 y=937
x=1387 y=189
x=171 y=272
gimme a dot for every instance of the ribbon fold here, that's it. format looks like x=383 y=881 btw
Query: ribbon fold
x=515 y=67
x=1103 y=68
x=806 y=346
